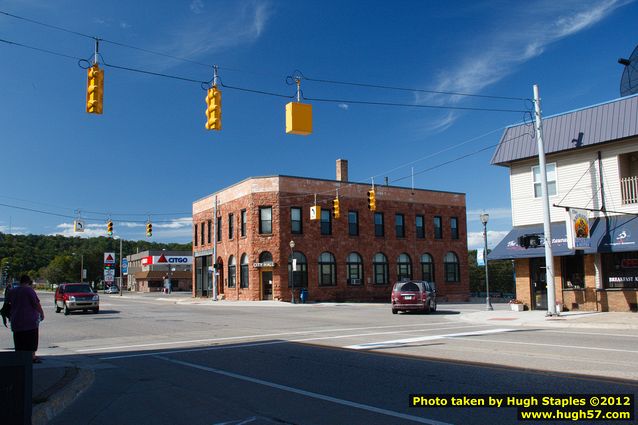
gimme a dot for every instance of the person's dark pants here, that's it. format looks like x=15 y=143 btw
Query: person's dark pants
x=26 y=340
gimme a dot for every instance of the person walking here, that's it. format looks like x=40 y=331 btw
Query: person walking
x=26 y=315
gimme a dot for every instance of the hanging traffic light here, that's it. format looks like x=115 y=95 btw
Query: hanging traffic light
x=372 y=202
x=149 y=230
x=335 y=208
x=214 y=109
x=109 y=228
x=94 y=89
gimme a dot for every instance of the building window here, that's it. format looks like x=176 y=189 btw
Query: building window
x=201 y=233
x=619 y=271
x=378 y=224
x=380 y=267
x=300 y=276
x=354 y=266
x=209 y=233
x=243 y=223
x=243 y=272
x=327 y=269
x=265 y=220
x=404 y=267
x=551 y=180
x=399 y=225
x=427 y=268
x=454 y=227
x=420 y=226
x=326 y=222
x=265 y=257
x=231 y=226
x=231 y=272
x=438 y=230
x=219 y=229
x=195 y=234
x=353 y=223
x=451 y=265
x=295 y=221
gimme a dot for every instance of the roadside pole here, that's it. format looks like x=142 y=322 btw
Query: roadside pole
x=121 y=281
x=215 y=250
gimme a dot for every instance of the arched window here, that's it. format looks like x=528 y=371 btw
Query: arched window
x=327 y=269
x=451 y=265
x=231 y=272
x=301 y=274
x=265 y=257
x=354 y=265
x=404 y=267
x=427 y=268
x=380 y=268
x=243 y=272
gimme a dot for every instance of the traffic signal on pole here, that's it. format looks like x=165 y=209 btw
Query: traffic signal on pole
x=94 y=89
x=214 y=109
x=109 y=228
x=372 y=202
x=335 y=208
x=149 y=230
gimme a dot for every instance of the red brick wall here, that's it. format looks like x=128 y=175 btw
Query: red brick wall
x=311 y=243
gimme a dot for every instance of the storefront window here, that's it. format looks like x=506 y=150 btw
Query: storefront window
x=573 y=271
x=620 y=270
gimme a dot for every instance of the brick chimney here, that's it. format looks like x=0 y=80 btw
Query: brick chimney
x=342 y=170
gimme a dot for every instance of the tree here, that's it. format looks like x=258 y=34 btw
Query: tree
x=501 y=274
x=59 y=270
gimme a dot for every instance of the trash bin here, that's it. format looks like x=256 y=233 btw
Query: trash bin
x=303 y=295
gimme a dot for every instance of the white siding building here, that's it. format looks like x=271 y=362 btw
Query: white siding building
x=592 y=164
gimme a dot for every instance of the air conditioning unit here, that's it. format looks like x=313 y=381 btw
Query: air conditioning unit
x=355 y=281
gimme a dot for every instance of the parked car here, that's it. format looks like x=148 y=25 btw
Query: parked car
x=113 y=289
x=76 y=296
x=412 y=295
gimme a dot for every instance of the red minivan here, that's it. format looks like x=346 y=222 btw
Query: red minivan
x=76 y=296
x=416 y=295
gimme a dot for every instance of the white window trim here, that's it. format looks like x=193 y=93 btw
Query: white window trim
x=534 y=182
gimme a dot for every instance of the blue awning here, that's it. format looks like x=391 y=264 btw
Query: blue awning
x=608 y=234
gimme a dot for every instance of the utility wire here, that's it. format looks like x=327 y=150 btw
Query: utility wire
x=39 y=49
x=33 y=21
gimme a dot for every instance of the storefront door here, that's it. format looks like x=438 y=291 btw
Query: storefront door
x=266 y=285
x=538 y=281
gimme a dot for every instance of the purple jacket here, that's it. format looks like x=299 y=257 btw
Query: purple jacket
x=24 y=309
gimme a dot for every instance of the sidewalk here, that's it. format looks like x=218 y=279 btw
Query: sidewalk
x=57 y=383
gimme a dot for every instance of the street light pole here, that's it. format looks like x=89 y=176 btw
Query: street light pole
x=81 y=268
x=292 y=271
x=488 y=305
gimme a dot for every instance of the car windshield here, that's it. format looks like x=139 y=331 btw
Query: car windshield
x=78 y=288
x=410 y=286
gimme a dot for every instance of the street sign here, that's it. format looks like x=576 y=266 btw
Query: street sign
x=78 y=225
x=109 y=258
x=124 y=266
x=109 y=275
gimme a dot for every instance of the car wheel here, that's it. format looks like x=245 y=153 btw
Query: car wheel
x=394 y=311
x=66 y=310
x=57 y=309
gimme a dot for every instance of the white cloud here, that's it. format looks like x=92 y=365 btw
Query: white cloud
x=475 y=239
x=125 y=25
x=179 y=228
x=509 y=47
x=197 y=6
x=344 y=106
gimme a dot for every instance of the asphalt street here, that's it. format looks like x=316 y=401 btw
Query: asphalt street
x=158 y=360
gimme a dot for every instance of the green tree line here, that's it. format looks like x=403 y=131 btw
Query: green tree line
x=58 y=258
x=501 y=275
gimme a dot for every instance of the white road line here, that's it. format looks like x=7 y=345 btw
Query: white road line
x=308 y=393
x=255 y=344
x=402 y=342
x=231 y=338
x=580 y=347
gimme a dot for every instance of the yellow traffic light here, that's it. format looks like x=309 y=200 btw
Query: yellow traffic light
x=94 y=90
x=149 y=230
x=335 y=208
x=109 y=228
x=298 y=118
x=214 y=109
x=372 y=202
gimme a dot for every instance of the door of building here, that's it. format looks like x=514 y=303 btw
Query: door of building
x=538 y=282
x=266 y=285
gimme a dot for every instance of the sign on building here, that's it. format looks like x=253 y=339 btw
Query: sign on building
x=577 y=229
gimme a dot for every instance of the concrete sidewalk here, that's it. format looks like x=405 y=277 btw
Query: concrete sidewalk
x=57 y=383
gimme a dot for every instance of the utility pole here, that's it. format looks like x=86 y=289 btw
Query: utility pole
x=121 y=282
x=547 y=227
x=215 y=250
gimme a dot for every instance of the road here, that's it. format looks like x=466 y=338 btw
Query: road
x=160 y=362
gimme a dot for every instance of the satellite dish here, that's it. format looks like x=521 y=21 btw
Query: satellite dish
x=629 y=79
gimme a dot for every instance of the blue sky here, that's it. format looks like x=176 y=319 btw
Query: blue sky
x=149 y=154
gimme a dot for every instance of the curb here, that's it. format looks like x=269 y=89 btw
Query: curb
x=61 y=395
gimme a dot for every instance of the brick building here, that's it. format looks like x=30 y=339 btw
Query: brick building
x=419 y=234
